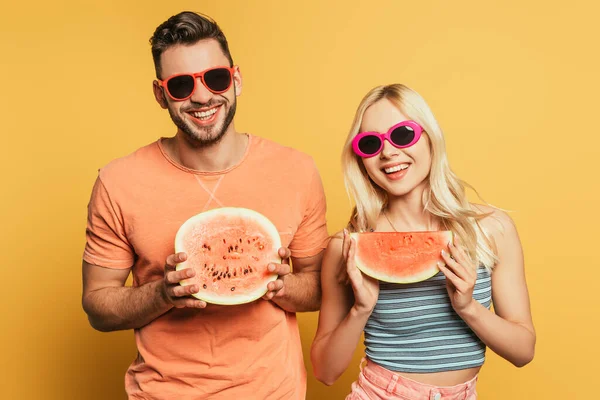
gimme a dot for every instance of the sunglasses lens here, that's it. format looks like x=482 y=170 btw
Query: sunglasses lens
x=402 y=135
x=181 y=87
x=218 y=79
x=369 y=144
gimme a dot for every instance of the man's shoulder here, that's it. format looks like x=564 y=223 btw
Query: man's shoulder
x=130 y=165
x=282 y=155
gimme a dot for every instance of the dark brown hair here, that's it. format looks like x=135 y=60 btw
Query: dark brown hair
x=186 y=28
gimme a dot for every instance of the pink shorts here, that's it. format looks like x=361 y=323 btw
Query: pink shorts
x=375 y=382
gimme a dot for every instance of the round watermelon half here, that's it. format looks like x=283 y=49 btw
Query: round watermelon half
x=400 y=257
x=230 y=249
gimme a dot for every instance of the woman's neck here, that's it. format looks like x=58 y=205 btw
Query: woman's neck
x=407 y=213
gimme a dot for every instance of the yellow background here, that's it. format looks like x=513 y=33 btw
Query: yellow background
x=514 y=85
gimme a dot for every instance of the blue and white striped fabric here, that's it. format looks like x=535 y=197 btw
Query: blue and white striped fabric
x=414 y=328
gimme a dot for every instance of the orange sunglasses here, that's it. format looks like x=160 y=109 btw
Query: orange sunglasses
x=180 y=87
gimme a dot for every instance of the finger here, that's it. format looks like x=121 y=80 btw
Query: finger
x=285 y=255
x=346 y=244
x=175 y=259
x=450 y=276
x=279 y=269
x=456 y=268
x=275 y=286
x=268 y=296
x=190 y=303
x=353 y=272
x=187 y=290
x=350 y=264
x=460 y=255
x=370 y=279
x=199 y=303
x=174 y=277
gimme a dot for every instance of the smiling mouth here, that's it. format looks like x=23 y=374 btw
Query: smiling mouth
x=395 y=168
x=204 y=115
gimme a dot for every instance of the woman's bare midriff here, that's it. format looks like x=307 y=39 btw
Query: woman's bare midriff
x=446 y=378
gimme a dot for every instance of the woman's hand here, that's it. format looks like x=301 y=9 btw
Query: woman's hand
x=460 y=277
x=365 y=288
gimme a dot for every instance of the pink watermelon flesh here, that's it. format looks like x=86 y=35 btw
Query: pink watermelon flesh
x=400 y=257
x=230 y=249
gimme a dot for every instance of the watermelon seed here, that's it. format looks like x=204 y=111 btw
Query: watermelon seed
x=234 y=273
x=224 y=257
x=232 y=289
x=261 y=247
x=208 y=248
x=204 y=286
x=218 y=278
x=224 y=241
x=240 y=240
x=229 y=275
x=248 y=241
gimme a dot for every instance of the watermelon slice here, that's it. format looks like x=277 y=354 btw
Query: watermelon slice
x=400 y=257
x=230 y=249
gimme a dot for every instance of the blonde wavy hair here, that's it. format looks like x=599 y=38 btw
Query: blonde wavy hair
x=444 y=196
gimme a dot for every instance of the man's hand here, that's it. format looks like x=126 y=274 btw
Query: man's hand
x=276 y=288
x=175 y=294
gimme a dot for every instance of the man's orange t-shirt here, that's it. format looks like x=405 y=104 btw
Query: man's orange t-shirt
x=249 y=351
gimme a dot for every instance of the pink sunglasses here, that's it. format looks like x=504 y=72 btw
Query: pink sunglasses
x=401 y=135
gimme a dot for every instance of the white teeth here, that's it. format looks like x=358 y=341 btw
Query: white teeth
x=205 y=114
x=396 y=168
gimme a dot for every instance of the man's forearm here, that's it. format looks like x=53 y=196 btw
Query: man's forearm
x=302 y=292
x=119 y=308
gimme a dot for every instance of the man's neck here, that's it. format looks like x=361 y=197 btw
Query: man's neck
x=220 y=156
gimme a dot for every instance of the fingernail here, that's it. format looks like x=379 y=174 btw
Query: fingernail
x=444 y=252
x=271 y=267
x=440 y=264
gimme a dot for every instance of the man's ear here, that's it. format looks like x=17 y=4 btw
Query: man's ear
x=159 y=94
x=237 y=80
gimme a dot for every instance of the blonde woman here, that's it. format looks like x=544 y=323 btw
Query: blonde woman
x=425 y=340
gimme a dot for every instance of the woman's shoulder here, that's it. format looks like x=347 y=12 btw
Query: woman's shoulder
x=495 y=221
x=334 y=247
x=338 y=235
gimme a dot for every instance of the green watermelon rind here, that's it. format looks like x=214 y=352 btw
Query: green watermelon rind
x=245 y=213
x=427 y=272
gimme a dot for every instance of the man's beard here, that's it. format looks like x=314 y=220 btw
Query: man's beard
x=208 y=136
